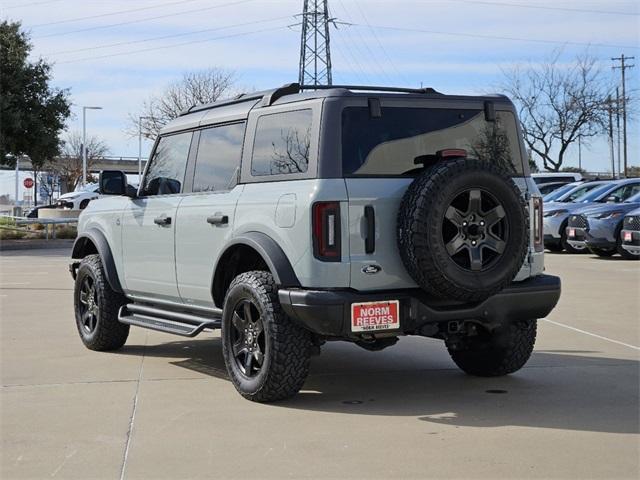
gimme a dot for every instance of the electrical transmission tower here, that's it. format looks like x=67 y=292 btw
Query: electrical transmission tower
x=315 y=54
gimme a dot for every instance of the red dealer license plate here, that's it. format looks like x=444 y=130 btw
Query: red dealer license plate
x=572 y=232
x=373 y=316
x=627 y=236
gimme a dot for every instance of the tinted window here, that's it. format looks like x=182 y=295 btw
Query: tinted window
x=282 y=144
x=390 y=145
x=578 y=193
x=624 y=192
x=166 y=170
x=218 y=161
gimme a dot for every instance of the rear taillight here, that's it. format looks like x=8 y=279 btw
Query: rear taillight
x=326 y=231
x=538 y=234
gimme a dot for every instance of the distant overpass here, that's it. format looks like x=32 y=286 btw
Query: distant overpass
x=126 y=164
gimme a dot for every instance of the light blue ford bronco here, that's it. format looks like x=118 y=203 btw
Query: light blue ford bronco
x=300 y=215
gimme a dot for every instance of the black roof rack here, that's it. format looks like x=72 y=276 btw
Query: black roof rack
x=371 y=88
x=269 y=97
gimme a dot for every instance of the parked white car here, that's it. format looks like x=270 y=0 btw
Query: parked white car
x=79 y=199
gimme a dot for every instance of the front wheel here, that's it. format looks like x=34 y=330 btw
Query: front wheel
x=96 y=307
x=266 y=354
x=500 y=352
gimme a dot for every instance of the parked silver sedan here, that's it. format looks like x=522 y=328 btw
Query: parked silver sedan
x=630 y=233
x=556 y=214
x=599 y=228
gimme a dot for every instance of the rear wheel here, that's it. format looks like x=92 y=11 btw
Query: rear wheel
x=266 y=354
x=496 y=353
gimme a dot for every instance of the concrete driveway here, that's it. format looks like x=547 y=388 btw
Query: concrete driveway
x=162 y=407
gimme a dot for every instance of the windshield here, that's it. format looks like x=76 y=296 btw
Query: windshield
x=556 y=194
x=398 y=142
x=579 y=192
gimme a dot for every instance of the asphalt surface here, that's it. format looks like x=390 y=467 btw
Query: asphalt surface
x=162 y=407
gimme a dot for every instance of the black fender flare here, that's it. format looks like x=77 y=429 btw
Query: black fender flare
x=271 y=253
x=98 y=239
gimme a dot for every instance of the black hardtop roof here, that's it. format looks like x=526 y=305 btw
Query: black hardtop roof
x=296 y=92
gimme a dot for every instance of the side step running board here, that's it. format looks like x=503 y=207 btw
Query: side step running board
x=168 y=321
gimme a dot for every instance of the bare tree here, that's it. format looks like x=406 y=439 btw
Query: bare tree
x=194 y=88
x=295 y=157
x=68 y=166
x=557 y=103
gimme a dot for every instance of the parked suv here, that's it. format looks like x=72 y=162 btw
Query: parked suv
x=296 y=216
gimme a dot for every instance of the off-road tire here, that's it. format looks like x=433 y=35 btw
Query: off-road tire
x=420 y=226
x=288 y=347
x=501 y=352
x=109 y=333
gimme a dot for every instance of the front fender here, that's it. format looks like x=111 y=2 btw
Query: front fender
x=81 y=248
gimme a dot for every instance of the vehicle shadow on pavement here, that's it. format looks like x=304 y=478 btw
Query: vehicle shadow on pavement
x=560 y=389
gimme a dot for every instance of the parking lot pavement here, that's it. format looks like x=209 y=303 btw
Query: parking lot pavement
x=162 y=407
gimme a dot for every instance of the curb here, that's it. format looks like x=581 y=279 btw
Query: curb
x=36 y=244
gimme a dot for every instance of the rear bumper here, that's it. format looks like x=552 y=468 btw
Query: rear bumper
x=328 y=312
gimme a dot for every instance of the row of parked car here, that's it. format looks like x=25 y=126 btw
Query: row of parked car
x=601 y=216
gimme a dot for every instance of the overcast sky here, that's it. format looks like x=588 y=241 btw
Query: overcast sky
x=455 y=46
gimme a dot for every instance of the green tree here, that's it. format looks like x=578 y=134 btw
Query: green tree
x=32 y=113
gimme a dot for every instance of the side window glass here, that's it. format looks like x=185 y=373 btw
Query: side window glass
x=282 y=144
x=218 y=160
x=166 y=170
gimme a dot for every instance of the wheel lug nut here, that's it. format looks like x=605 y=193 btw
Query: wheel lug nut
x=482 y=223
x=473 y=242
x=464 y=224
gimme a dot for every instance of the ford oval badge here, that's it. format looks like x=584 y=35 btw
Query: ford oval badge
x=371 y=269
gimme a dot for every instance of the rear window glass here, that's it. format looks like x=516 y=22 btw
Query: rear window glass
x=390 y=145
x=282 y=144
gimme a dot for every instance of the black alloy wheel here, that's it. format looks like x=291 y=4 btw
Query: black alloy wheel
x=248 y=338
x=475 y=230
x=88 y=304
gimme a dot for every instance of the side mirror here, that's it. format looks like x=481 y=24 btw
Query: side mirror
x=113 y=182
x=613 y=199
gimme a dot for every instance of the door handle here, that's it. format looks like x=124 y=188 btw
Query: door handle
x=162 y=220
x=218 y=219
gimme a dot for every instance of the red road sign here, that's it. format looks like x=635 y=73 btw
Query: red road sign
x=28 y=183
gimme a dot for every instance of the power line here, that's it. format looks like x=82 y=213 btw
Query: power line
x=141 y=20
x=498 y=37
x=541 y=7
x=164 y=37
x=401 y=76
x=379 y=67
x=163 y=47
x=77 y=19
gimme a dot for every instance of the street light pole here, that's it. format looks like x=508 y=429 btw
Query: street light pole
x=84 y=142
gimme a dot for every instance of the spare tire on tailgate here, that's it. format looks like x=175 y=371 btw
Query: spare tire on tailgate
x=463 y=229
